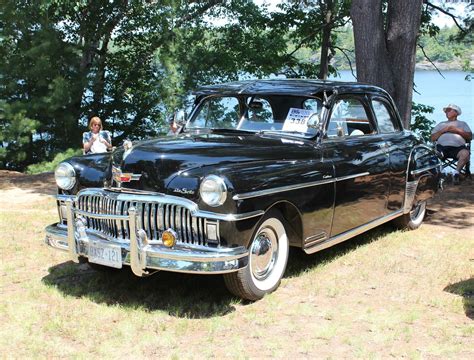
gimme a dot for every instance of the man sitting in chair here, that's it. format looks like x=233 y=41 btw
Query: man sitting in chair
x=451 y=137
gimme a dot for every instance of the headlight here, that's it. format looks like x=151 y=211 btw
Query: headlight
x=213 y=190
x=65 y=176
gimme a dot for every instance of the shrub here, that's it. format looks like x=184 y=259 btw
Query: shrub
x=47 y=166
x=420 y=124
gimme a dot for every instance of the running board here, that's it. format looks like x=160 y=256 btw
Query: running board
x=318 y=246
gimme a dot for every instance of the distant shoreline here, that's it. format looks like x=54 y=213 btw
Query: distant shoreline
x=454 y=65
x=427 y=66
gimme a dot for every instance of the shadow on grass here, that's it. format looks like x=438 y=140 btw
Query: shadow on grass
x=42 y=184
x=453 y=206
x=180 y=295
x=465 y=289
x=299 y=262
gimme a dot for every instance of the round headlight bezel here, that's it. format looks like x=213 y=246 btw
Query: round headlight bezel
x=213 y=190
x=65 y=176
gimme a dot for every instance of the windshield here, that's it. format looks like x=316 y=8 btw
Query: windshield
x=274 y=113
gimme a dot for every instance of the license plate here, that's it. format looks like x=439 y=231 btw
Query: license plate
x=105 y=254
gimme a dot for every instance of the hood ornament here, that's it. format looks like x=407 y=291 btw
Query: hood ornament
x=118 y=177
x=127 y=145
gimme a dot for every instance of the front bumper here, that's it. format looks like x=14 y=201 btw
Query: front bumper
x=141 y=255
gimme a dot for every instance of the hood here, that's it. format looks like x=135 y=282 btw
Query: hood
x=159 y=161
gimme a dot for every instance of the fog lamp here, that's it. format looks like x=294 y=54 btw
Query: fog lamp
x=169 y=238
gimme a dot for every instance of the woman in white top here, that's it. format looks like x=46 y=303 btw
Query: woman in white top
x=96 y=140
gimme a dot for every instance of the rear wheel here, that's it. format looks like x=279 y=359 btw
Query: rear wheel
x=414 y=218
x=268 y=255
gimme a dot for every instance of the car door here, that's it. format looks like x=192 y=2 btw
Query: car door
x=352 y=142
x=398 y=147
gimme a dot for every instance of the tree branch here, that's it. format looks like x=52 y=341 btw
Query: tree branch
x=303 y=41
x=427 y=58
x=198 y=12
x=446 y=13
x=347 y=57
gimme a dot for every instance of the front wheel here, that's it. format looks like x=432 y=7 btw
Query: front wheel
x=268 y=255
x=414 y=218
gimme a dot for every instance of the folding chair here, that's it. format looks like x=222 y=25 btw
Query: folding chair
x=449 y=162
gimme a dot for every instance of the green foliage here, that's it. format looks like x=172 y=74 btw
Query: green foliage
x=439 y=46
x=16 y=133
x=132 y=62
x=442 y=47
x=420 y=123
x=47 y=166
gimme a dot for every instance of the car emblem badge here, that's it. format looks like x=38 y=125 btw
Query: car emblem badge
x=119 y=177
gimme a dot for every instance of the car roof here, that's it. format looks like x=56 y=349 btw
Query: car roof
x=305 y=87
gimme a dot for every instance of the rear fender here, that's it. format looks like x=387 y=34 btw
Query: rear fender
x=422 y=176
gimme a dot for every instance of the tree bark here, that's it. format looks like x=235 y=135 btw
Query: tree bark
x=404 y=17
x=385 y=55
x=327 y=8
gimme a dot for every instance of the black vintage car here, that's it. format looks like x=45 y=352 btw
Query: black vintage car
x=259 y=166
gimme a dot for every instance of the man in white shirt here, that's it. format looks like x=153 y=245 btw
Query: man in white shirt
x=451 y=137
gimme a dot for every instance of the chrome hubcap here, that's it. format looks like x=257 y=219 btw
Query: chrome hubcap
x=263 y=254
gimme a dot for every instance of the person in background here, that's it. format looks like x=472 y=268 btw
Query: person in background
x=176 y=122
x=96 y=140
x=173 y=130
x=451 y=137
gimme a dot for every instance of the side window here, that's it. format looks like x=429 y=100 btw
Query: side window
x=349 y=118
x=384 y=119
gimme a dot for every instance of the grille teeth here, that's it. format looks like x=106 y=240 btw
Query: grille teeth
x=153 y=218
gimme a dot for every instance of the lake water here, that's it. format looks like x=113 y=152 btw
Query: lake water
x=436 y=91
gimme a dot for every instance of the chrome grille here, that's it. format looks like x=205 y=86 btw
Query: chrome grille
x=153 y=217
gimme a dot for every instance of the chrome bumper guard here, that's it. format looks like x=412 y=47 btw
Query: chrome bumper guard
x=140 y=254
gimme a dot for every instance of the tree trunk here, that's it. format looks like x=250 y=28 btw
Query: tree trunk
x=404 y=17
x=386 y=56
x=326 y=38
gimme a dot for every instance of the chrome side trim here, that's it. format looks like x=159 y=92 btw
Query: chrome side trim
x=351 y=233
x=280 y=189
x=410 y=192
x=419 y=171
x=258 y=193
x=312 y=240
x=342 y=178
x=228 y=217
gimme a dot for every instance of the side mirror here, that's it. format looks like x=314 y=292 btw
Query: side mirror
x=314 y=122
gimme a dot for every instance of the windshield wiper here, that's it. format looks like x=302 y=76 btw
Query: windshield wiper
x=224 y=130
x=281 y=132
